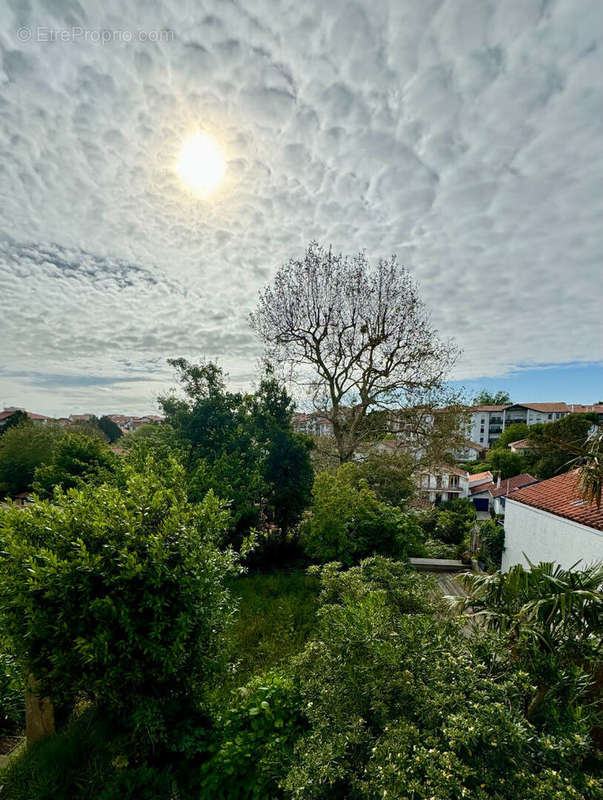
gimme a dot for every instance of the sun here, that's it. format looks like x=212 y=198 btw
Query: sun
x=201 y=164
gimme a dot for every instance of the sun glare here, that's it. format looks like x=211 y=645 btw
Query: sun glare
x=201 y=164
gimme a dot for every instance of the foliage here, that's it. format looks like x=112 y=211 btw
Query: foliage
x=254 y=738
x=77 y=460
x=18 y=418
x=22 y=449
x=389 y=475
x=552 y=616
x=360 y=336
x=243 y=447
x=349 y=522
x=118 y=596
x=400 y=703
x=556 y=443
x=11 y=694
x=84 y=761
x=492 y=536
x=486 y=398
x=436 y=548
x=506 y=463
x=512 y=433
x=110 y=428
x=590 y=463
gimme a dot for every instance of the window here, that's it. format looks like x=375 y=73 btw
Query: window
x=482 y=421
x=481 y=439
x=550 y=416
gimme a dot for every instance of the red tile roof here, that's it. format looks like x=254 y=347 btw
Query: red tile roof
x=561 y=496
x=545 y=408
x=490 y=408
x=521 y=443
x=507 y=486
x=479 y=476
x=30 y=414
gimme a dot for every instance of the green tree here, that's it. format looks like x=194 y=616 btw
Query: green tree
x=18 y=418
x=348 y=521
x=22 y=450
x=242 y=446
x=486 y=398
x=76 y=460
x=512 y=433
x=506 y=463
x=552 y=616
x=118 y=597
x=110 y=428
x=555 y=444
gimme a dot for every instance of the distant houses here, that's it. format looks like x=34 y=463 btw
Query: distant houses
x=492 y=496
x=550 y=521
x=443 y=483
x=9 y=412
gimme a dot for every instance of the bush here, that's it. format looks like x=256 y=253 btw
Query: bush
x=401 y=703
x=492 y=536
x=76 y=461
x=118 y=597
x=12 y=687
x=349 y=522
x=254 y=739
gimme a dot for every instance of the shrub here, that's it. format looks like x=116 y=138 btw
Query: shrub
x=406 y=705
x=349 y=522
x=253 y=746
x=492 y=536
x=76 y=461
x=118 y=597
x=11 y=694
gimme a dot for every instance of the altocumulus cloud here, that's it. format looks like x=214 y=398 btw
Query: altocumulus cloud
x=463 y=135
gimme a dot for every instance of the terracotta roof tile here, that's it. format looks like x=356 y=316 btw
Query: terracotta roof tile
x=507 y=486
x=561 y=496
x=479 y=476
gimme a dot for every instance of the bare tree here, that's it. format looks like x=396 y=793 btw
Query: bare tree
x=357 y=335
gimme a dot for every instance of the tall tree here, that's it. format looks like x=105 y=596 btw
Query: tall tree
x=486 y=398
x=22 y=450
x=554 y=444
x=357 y=335
x=110 y=428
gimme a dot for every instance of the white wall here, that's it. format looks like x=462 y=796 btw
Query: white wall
x=546 y=537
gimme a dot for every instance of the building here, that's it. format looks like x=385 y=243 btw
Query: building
x=550 y=521
x=81 y=417
x=521 y=446
x=470 y=451
x=438 y=484
x=493 y=496
x=479 y=479
x=488 y=422
x=314 y=424
x=8 y=413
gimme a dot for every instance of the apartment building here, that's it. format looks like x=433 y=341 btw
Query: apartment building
x=488 y=422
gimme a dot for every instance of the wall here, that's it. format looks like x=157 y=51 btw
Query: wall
x=546 y=537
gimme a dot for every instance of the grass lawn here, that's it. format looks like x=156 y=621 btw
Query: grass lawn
x=277 y=611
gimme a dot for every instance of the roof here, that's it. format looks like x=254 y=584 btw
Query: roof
x=8 y=413
x=479 y=476
x=490 y=408
x=444 y=468
x=507 y=486
x=521 y=443
x=473 y=445
x=544 y=408
x=561 y=496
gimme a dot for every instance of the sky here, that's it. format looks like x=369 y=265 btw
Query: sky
x=462 y=135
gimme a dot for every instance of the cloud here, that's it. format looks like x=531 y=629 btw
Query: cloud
x=463 y=135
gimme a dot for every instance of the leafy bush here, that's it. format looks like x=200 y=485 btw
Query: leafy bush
x=401 y=703
x=76 y=461
x=349 y=522
x=12 y=688
x=435 y=548
x=492 y=536
x=254 y=741
x=22 y=449
x=118 y=597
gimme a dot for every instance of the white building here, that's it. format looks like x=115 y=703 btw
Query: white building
x=443 y=483
x=549 y=521
x=313 y=424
